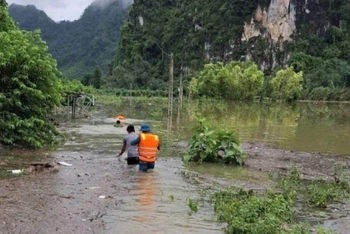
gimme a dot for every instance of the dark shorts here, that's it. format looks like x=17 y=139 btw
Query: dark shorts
x=132 y=161
x=144 y=166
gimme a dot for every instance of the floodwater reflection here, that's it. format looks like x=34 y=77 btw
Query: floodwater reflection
x=307 y=127
x=156 y=202
x=146 y=188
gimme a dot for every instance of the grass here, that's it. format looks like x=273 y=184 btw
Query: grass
x=275 y=211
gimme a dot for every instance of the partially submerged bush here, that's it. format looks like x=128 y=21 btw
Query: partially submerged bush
x=209 y=145
x=317 y=193
x=320 y=193
x=247 y=212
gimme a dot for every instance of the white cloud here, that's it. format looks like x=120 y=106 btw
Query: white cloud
x=61 y=9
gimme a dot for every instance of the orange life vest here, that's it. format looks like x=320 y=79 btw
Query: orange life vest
x=120 y=117
x=148 y=147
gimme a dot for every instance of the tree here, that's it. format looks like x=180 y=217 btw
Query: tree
x=332 y=73
x=193 y=88
x=94 y=79
x=29 y=90
x=250 y=80
x=5 y=21
x=97 y=78
x=233 y=81
x=287 y=85
x=87 y=79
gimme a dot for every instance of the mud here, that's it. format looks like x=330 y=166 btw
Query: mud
x=311 y=166
x=265 y=164
x=100 y=194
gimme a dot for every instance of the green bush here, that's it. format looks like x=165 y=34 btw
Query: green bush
x=317 y=193
x=320 y=93
x=74 y=86
x=233 y=81
x=248 y=213
x=321 y=193
x=287 y=85
x=209 y=145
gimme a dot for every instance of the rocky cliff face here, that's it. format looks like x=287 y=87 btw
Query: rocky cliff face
x=282 y=21
x=276 y=22
x=198 y=32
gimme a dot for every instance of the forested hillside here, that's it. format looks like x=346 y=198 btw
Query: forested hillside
x=78 y=46
x=312 y=36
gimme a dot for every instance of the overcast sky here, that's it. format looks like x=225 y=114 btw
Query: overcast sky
x=58 y=9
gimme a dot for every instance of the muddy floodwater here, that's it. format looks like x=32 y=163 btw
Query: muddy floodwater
x=99 y=193
x=310 y=127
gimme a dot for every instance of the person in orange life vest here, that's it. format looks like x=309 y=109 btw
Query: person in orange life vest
x=118 y=122
x=148 y=145
x=120 y=117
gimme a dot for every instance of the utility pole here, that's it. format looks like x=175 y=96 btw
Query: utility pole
x=181 y=88
x=171 y=86
x=130 y=93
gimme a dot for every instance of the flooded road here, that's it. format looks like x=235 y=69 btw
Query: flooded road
x=154 y=202
x=99 y=193
x=157 y=203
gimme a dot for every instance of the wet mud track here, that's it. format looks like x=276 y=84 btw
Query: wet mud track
x=99 y=193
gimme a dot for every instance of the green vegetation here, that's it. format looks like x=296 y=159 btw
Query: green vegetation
x=209 y=145
x=199 y=33
x=74 y=86
x=244 y=81
x=93 y=79
x=316 y=193
x=206 y=32
x=29 y=88
x=320 y=193
x=189 y=29
x=287 y=85
x=193 y=205
x=271 y=212
x=233 y=81
x=247 y=212
x=78 y=46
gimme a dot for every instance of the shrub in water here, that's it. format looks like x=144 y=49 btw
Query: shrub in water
x=209 y=145
x=246 y=212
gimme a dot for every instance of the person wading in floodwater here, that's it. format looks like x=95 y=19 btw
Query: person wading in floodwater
x=118 y=122
x=148 y=145
x=133 y=156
